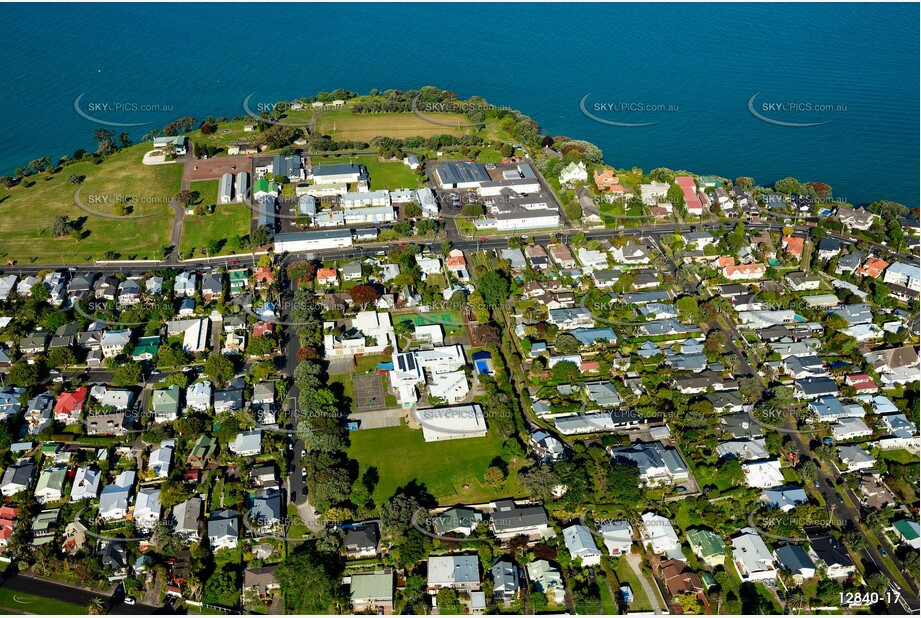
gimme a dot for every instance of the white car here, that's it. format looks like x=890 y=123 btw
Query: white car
x=130 y=601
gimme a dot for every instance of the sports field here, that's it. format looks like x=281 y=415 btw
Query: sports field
x=346 y=126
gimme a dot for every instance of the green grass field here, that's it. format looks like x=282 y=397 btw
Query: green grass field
x=626 y=575
x=207 y=191
x=384 y=174
x=227 y=134
x=22 y=603
x=452 y=470
x=227 y=220
x=25 y=230
x=345 y=126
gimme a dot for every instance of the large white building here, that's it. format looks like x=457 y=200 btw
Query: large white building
x=364 y=199
x=312 y=241
x=907 y=275
x=451 y=423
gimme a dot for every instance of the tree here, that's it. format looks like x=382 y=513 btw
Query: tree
x=877 y=583
x=61 y=226
x=219 y=368
x=855 y=540
x=61 y=357
x=260 y=236
x=447 y=602
x=567 y=344
x=363 y=295
x=687 y=308
x=486 y=335
x=788 y=185
x=494 y=286
x=808 y=470
x=494 y=476
x=565 y=372
x=750 y=389
x=128 y=374
x=745 y=182
x=412 y=210
x=310 y=581
x=95 y=607
x=622 y=483
x=397 y=515
x=22 y=373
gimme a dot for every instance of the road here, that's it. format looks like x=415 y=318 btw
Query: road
x=79 y=596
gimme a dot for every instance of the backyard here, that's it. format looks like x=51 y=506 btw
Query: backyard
x=452 y=470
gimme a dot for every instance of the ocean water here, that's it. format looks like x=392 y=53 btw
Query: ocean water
x=690 y=69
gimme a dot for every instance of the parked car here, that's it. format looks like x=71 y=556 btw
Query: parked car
x=130 y=601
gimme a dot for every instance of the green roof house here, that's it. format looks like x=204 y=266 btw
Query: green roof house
x=165 y=403
x=201 y=451
x=908 y=530
x=146 y=348
x=708 y=546
x=458 y=520
x=372 y=592
x=239 y=280
x=50 y=487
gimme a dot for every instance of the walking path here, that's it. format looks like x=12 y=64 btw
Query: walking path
x=652 y=593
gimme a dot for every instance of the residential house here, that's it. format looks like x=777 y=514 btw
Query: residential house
x=794 y=560
x=581 y=546
x=86 y=484
x=505 y=581
x=361 y=541
x=17 y=478
x=69 y=405
x=751 y=557
x=50 y=486
x=147 y=508
x=660 y=537
x=372 y=592
x=546 y=578
x=510 y=520
x=165 y=403
x=115 y=498
x=223 y=529
x=708 y=546
x=828 y=553
x=456 y=572
x=617 y=537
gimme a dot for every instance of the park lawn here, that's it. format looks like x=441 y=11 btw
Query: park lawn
x=227 y=134
x=25 y=231
x=343 y=125
x=452 y=470
x=388 y=175
x=226 y=221
x=207 y=191
x=23 y=603
x=347 y=389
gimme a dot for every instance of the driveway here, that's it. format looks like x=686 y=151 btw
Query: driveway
x=652 y=593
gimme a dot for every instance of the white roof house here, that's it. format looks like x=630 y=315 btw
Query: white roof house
x=659 y=535
x=198 y=396
x=86 y=484
x=752 y=558
x=849 y=428
x=580 y=544
x=763 y=474
x=247 y=443
x=115 y=498
x=618 y=537
x=161 y=458
x=147 y=508
x=453 y=572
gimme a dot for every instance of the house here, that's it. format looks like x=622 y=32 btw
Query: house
x=895 y=365
x=592 y=259
x=849 y=263
x=679 y=580
x=660 y=537
x=69 y=405
x=751 y=557
x=744 y=449
x=546 y=578
x=909 y=532
x=212 y=286
x=35 y=343
x=515 y=258
x=10 y=401
x=657 y=463
x=176 y=143
x=850 y=428
x=361 y=541
x=654 y=192
x=785 y=498
x=855 y=458
x=571 y=318
x=223 y=529
x=86 y=484
x=194 y=332
x=546 y=447
x=828 y=248
x=873 y=268
x=827 y=552
x=793 y=245
x=457 y=520
x=260 y=581
x=813 y=388
x=372 y=593
x=247 y=443
x=351 y=271
x=202 y=450
x=631 y=254
x=8 y=516
x=129 y=292
x=165 y=404
x=186 y=516
x=573 y=172
x=794 y=560
x=762 y=474
x=114 y=341
x=50 y=486
x=562 y=256
x=740 y=272
x=161 y=458
x=510 y=520
x=263 y=511
x=147 y=508
x=184 y=285
x=153 y=286
x=617 y=537
x=39 y=413
x=905 y=275
x=17 y=478
x=146 y=348
x=114 y=557
x=799 y=281
x=855 y=218
x=456 y=572
x=229 y=399
x=581 y=545
x=505 y=581
x=115 y=498
x=708 y=546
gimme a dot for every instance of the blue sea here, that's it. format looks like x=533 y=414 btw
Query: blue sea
x=691 y=69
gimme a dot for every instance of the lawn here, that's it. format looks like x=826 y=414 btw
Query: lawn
x=228 y=133
x=343 y=125
x=626 y=575
x=226 y=221
x=341 y=385
x=207 y=191
x=23 y=603
x=384 y=174
x=25 y=231
x=452 y=471
x=900 y=456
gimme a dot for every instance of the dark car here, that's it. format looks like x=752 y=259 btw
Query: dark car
x=882 y=551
